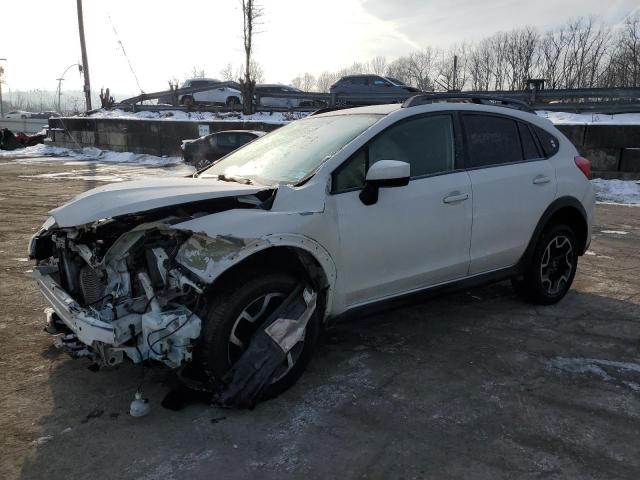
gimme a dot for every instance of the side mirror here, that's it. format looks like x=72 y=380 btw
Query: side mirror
x=384 y=173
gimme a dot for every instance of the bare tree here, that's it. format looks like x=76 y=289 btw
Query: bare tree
x=325 y=80
x=306 y=82
x=452 y=68
x=251 y=14
x=354 y=69
x=257 y=73
x=480 y=66
x=422 y=68
x=400 y=69
x=196 y=72
x=378 y=65
x=623 y=66
x=227 y=74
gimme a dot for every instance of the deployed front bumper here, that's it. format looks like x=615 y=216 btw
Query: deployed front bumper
x=87 y=327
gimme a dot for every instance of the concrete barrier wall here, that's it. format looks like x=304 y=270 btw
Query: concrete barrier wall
x=153 y=137
x=614 y=150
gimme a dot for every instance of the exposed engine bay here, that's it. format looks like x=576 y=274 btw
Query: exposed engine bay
x=123 y=286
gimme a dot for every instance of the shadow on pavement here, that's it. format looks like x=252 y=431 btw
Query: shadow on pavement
x=473 y=385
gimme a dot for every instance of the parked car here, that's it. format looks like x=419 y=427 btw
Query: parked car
x=264 y=90
x=18 y=114
x=45 y=115
x=370 y=85
x=205 y=150
x=235 y=270
x=219 y=94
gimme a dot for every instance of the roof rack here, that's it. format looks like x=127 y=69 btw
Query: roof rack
x=427 y=98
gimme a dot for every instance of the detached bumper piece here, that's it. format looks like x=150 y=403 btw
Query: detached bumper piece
x=268 y=349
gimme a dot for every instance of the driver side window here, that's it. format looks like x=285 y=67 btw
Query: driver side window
x=426 y=144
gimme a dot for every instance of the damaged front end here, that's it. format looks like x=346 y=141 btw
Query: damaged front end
x=124 y=287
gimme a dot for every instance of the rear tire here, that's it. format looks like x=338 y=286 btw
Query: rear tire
x=187 y=101
x=233 y=102
x=552 y=268
x=218 y=350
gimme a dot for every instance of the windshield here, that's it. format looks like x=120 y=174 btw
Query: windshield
x=293 y=152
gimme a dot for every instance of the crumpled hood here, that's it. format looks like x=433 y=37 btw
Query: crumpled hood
x=141 y=195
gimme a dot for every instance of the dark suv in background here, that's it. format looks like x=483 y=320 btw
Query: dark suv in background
x=368 y=85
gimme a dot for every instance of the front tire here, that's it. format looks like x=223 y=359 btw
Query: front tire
x=235 y=312
x=552 y=269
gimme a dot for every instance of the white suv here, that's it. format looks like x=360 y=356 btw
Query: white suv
x=346 y=209
x=219 y=93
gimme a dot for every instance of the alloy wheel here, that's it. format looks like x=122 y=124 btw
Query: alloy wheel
x=556 y=266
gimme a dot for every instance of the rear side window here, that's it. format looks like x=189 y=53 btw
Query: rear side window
x=529 y=147
x=378 y=81
x=358 y=80
x=549 y=143
x=227 y=140
x=492 y=140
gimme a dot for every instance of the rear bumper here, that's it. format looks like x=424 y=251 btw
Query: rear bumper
x=87 y=327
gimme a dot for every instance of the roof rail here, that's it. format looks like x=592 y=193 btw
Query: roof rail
x=427 y=98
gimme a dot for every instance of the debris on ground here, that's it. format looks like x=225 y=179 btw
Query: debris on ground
x=11 y=141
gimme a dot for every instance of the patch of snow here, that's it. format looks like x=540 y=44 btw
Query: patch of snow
x=566 y=118
x=617 y=191
x=42 y=440
x=614 y=232
x=596 y=367
x=177 y=115
x=37 y=153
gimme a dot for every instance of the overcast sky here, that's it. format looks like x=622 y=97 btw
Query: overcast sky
x=164 y=39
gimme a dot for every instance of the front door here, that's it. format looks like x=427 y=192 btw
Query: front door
x=414 y=236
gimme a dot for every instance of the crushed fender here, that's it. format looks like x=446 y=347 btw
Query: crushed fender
x=247 y=380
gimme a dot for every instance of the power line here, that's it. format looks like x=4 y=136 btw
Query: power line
x=125 y=53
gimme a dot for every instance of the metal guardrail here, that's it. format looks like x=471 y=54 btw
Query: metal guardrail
x=606 y=100
x=25 y=125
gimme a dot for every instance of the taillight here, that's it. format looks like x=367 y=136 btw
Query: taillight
x=584 y=165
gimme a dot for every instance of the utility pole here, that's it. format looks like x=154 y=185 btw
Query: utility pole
x=59 y=92
x=455 y=72
x=85 y=62
x=1 y=75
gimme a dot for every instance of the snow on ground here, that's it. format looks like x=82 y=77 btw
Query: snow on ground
x=607 y=370
x=177 y=115
x=43 y=152
x=617 y=191
x=565 y=118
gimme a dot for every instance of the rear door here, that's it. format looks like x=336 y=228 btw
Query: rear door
x=206 y=96
x=512 y=183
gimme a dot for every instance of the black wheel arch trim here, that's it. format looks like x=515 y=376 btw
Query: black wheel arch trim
x=554 y=207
